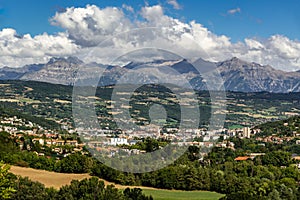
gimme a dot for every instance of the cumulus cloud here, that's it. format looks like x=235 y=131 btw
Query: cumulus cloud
x=88 y=29
x=90 y=25
x=175 y=4
x=18 y=50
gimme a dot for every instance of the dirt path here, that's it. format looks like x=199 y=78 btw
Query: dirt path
x=57 y=180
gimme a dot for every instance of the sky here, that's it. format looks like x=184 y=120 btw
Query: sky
x=267 y=32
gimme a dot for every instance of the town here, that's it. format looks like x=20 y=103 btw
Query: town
x=61 y=143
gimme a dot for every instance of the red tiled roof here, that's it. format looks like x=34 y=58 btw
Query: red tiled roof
x=242 y=158
x=296 y=157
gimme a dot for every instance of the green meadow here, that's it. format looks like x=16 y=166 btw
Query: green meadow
x=182 y=195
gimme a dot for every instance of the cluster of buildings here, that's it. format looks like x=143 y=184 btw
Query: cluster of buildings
x=13 y=125
x=35 y=134
x=111 y=144
x=114 y=142
x=274 y=139
x=127 y=137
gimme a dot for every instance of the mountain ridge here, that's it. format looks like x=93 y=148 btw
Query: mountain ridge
x=238 y=74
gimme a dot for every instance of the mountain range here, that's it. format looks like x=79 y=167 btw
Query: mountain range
x=238 y=75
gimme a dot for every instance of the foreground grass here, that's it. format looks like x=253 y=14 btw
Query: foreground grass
x=182 y=195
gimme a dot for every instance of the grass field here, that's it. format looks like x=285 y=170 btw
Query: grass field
x=54 y=179
x=49 y=179
x=57 y=180
x=182 y=195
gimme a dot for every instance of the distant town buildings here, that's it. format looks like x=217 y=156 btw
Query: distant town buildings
x=121 y=142
x=118 y=141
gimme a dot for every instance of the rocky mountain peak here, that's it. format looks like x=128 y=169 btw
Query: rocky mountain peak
x=70 y=59
x=238 y=75
x=57 y=70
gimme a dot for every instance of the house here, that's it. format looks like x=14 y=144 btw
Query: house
x=246 y=132
x=297 y=158
x=39 y=140
x=72 y=142
x=133 y=142
x=242 y=158
x=253 y=155
x=48 y=142
x=118 y=141
x=59 y=142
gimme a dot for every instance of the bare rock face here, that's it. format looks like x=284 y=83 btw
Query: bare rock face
x=57 y=71
x=252 y=77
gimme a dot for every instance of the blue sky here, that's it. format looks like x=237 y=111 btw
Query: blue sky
x=256 y=18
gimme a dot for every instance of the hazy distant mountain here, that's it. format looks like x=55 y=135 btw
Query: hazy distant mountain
x=238 y=75
x=7 y=73
x=181 y=66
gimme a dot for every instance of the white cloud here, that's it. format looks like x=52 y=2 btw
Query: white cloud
x=234 y=11
x=153 y=14
x=18 y=50
x=253 y=44
x=175 y=4
x=128 y=8
x=277 y=51
x=87 y=27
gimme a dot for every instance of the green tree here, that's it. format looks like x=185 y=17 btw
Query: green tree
x=89 y=189
x=29 y=190
x=75 y=163
x=135 y=194
x=274 y=195
x=6 y=184
x=277 y=158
